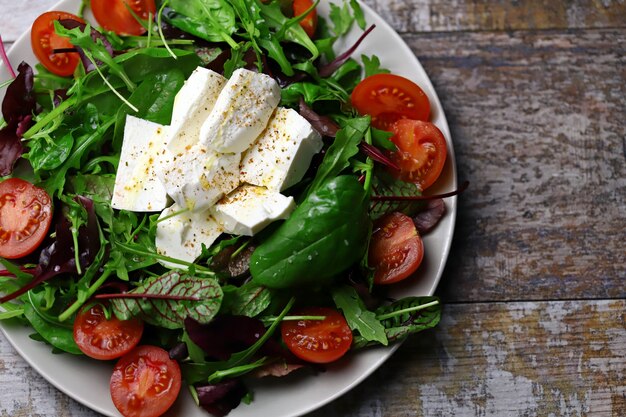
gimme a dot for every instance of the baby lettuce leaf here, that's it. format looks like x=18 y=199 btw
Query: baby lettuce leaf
x=384 y=184
x=358 y=316
x=170 y=299
x=324 y=236
x=59 y=336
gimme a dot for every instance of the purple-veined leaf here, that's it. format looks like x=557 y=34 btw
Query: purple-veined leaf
x=169 y=299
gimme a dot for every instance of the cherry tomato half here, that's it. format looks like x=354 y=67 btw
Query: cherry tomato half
x=104 y=339
x=44 y=41
x=421 y=153
x=145 y=382
x=318 y=341
x=388 y=98
x=309 y=23
x=114 y=15
x=396 y=249
x=25 y=217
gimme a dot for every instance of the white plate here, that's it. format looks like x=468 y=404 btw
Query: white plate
x=87 y=381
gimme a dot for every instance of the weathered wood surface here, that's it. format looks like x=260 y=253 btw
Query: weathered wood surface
x=414 y=16
x=537 y=122
x=497 y=359
x=535 y=98
x=411 y=16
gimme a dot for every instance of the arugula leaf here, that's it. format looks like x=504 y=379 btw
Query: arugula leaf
x=358 y=316
x=358 y=14
x=371 y=65
x=342 y=18
x=345 y=146
x=405 y=317
x=176 y=297
x=212 y=20
x=287 y=29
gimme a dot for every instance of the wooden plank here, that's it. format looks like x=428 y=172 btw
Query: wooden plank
x=496 y=15
x=426 y=15
x=537 y=122
x=516 y=359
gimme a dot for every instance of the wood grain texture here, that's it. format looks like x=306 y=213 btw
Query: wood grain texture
x=414 y=16
x=537 y=122
x=504 y=359
x=499 y=359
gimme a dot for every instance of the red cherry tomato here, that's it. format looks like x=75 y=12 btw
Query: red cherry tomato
x=388 y=98
x=309 y=23
x=145 y=382
x=318 y=341
x=421 y=153
x=104 y=339
x=25 y=217
x=396 y=249
x=44 y=41
x=114 y=15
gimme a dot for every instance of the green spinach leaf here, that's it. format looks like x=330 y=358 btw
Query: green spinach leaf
x=324 y=236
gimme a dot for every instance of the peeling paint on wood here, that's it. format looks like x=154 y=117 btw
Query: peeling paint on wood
x=504 y=359
x=416 y=16
x=537 y=122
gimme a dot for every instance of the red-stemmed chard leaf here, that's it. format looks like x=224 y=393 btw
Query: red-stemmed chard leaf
x=58 y=258
x=168 y=300
x=328 y=69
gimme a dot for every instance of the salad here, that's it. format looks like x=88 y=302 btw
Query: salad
x=200 y=274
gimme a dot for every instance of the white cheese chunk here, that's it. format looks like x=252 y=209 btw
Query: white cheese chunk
x=282 y=154
x=241 y=112
x=136 y=185
x=192 y=105
x=180 y=234
x=249 y=209
x=197 y=178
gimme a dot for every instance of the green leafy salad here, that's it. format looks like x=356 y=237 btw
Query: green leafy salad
x=206 y=192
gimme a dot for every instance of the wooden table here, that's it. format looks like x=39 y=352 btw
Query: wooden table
x=534 y=321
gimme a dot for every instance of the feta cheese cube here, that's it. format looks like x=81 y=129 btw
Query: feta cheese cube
x=192 y=106
x=136 y=185
x=197 y=178
x=282 y=154
x=241 y=112
x=180 y=234
x=249 y=209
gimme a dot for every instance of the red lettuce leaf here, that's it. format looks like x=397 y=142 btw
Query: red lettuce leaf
x=58 y=258
x=431 y=214
x=221 y=398
x=323 y=124
x=328 y=69
x=18 y=107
